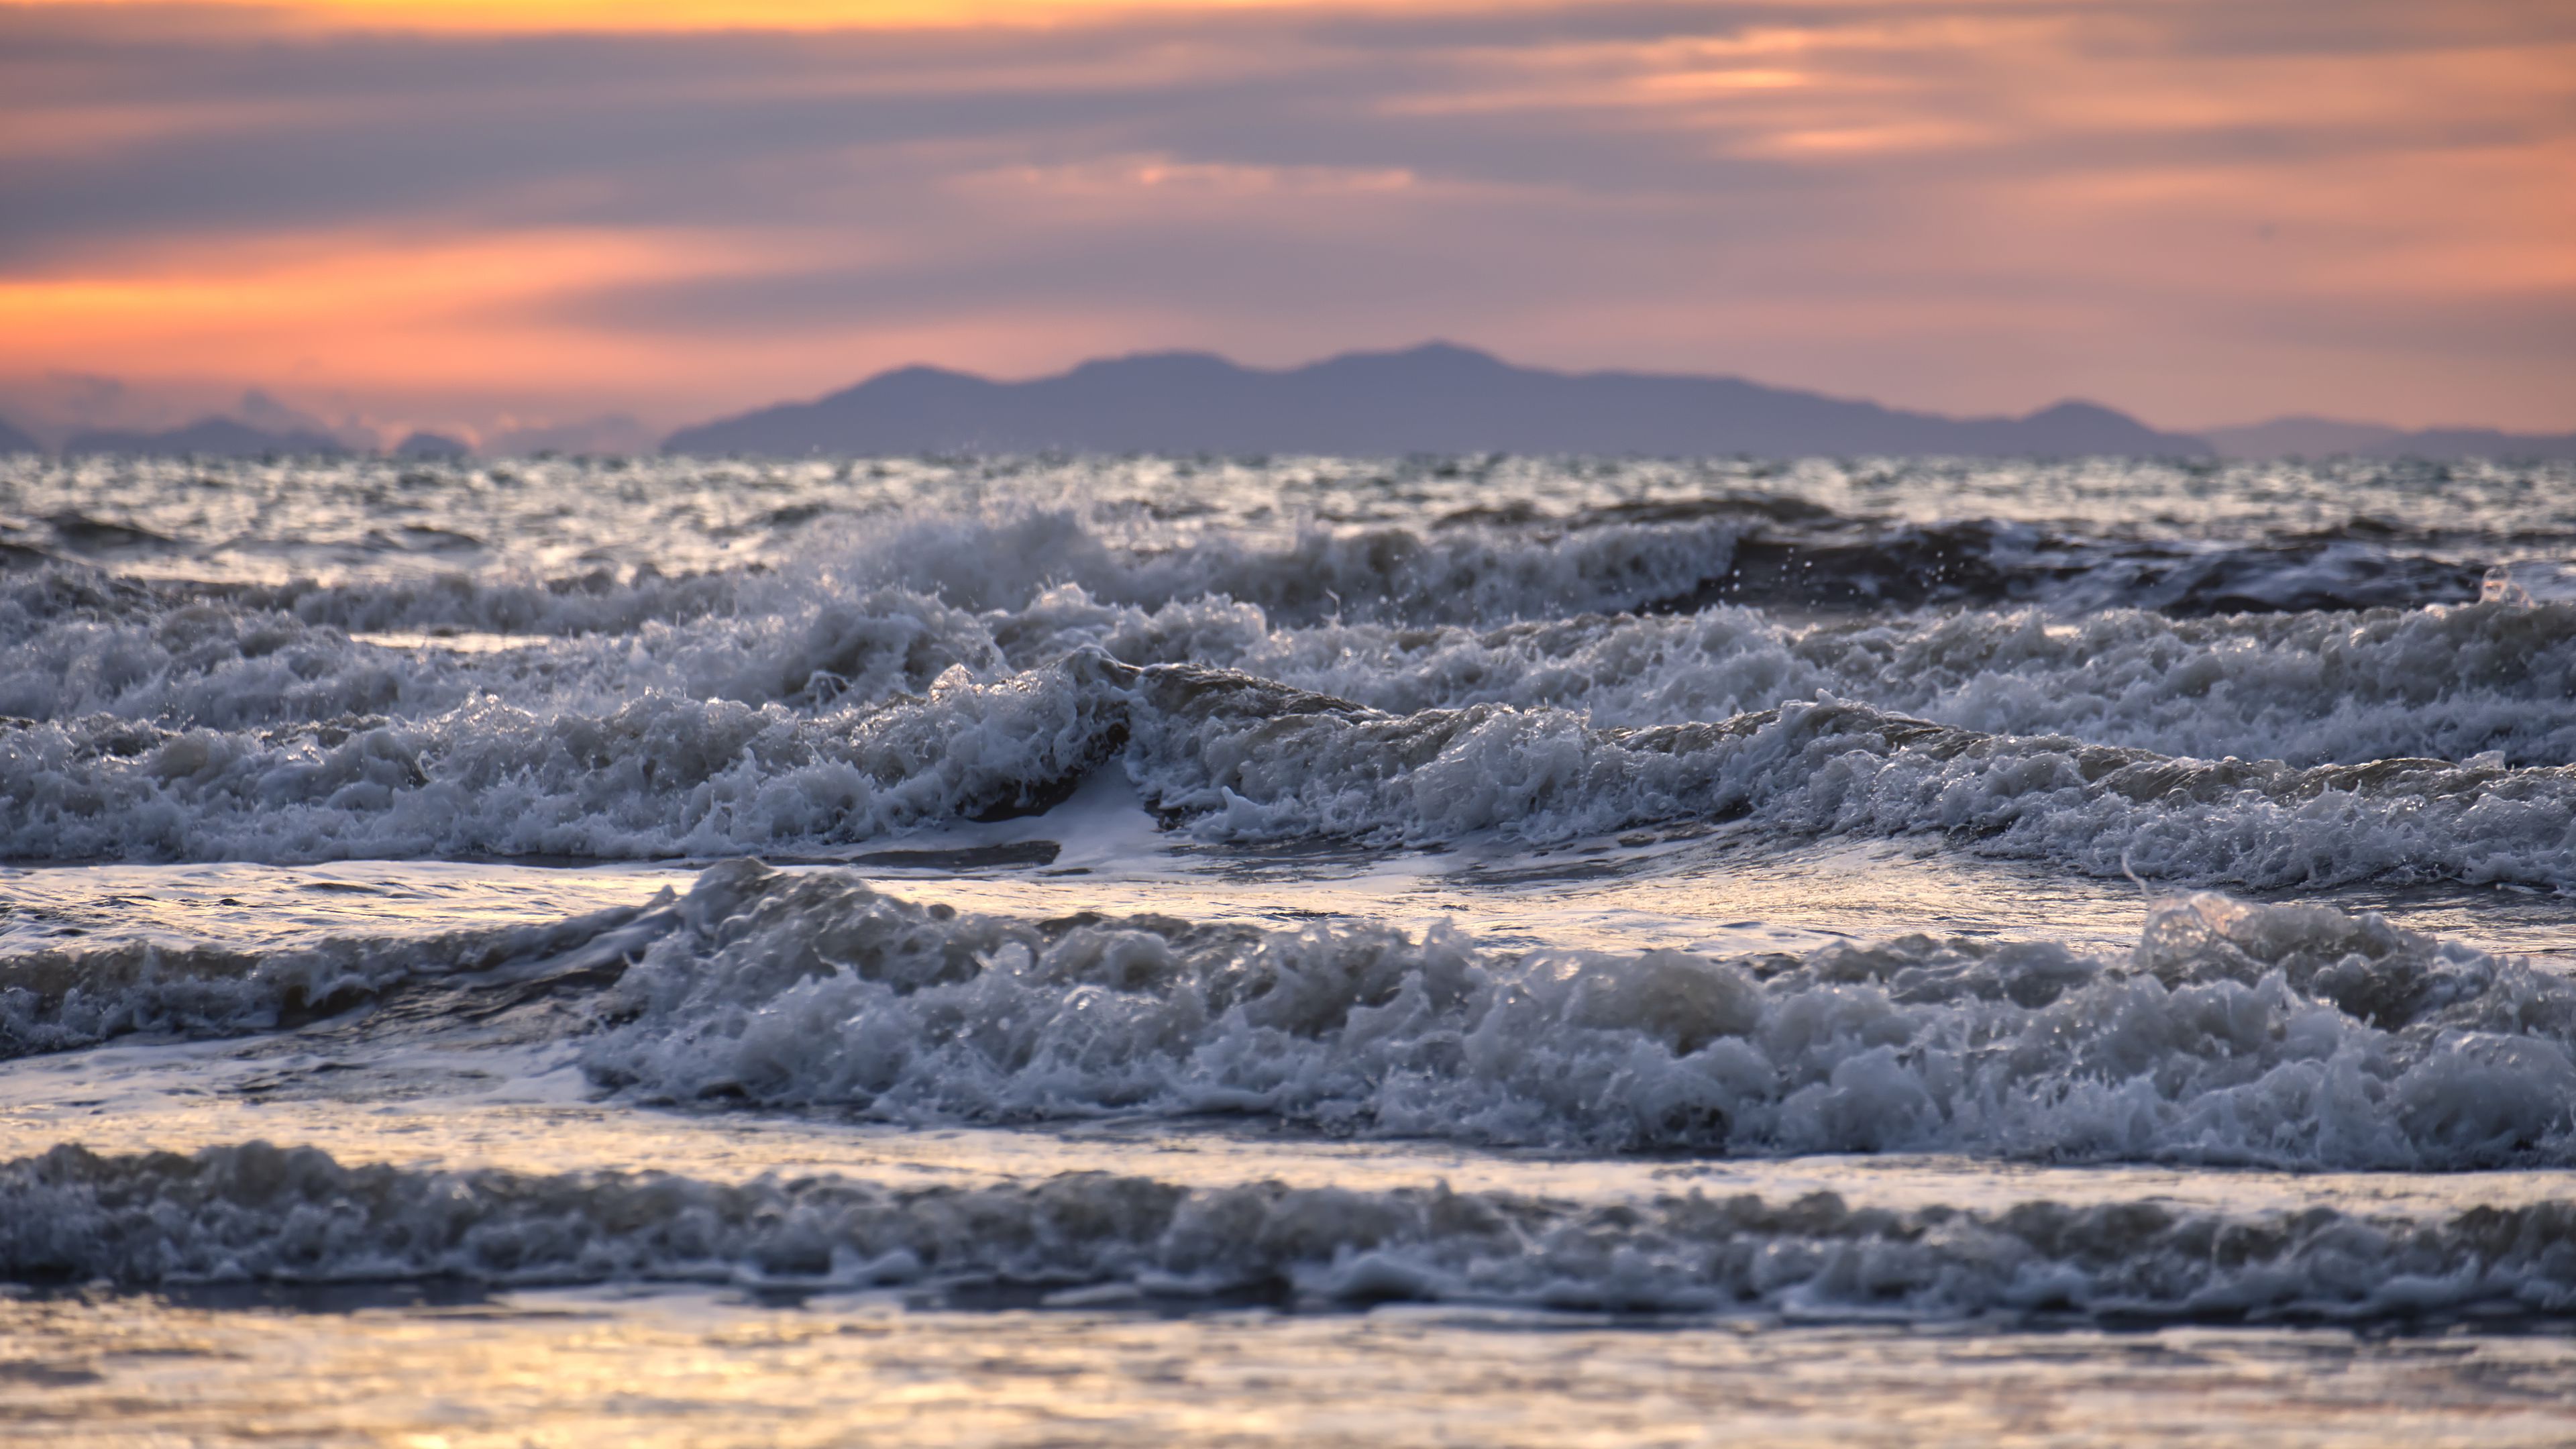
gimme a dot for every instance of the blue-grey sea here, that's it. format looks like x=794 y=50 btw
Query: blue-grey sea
x=1100 y=951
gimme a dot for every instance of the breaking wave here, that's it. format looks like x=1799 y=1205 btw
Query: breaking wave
x=60 y=998
x=259 y=1213
x=1479 y=565
x=2285 y=1036
x=1230 y=756
x=2280 y=1035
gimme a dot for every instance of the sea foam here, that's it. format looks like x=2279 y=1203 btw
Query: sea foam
x=1234 y=757
x=2234 y=1033
x=259 y=1213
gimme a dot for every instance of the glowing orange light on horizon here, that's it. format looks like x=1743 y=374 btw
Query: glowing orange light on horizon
x=532 y=16
x=2055 y=171
x=373 y=307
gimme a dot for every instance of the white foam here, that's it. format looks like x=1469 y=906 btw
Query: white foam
x=2245 y=1034
x=61 y=997
x=255 y=1212
x=1242 y=759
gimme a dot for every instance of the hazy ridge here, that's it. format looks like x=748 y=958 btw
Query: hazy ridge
x=1437 y=398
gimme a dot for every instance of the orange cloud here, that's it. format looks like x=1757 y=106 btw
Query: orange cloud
x=555 y=16
x=367 y=309
x=2182 y=205
x=418 y=324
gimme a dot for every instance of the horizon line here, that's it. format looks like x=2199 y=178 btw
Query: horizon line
x=399 y=431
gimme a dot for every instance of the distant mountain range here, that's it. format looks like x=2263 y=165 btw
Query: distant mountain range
x=1431 y=399
x=227 y=437
x=1445 y=399
x=1436 y=398
x=430 y=447
x=2330 y=438
x=207 y=438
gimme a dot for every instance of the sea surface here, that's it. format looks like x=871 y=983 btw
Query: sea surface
x=1482 y=951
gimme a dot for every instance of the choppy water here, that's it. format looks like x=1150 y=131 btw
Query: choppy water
x=1516 y=950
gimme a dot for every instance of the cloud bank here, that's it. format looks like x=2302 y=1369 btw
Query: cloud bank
x=2202 y=211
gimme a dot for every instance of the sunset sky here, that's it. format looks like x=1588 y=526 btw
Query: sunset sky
x=503 y=212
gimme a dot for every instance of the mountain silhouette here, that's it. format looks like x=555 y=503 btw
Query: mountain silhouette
x=430 y=447
x=14 y=441
x=1435 y=398
x=207 y=438
x=2312 y=437
x=2477 y=443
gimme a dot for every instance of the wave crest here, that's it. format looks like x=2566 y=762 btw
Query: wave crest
x=2290 y=1036
x=261 y=1213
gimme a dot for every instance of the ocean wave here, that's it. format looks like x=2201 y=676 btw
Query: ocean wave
x=2235 y=1033
x=206 y=663
x=1233 y=757
x=2283 y=1036
x=254 y=1212
x=1238 y=758
x=659 y=776
x=1491 y=562
x=61 y=998
x=2447 y=682
x=2315 y=688
x=1005 y=559
x=597 y=600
